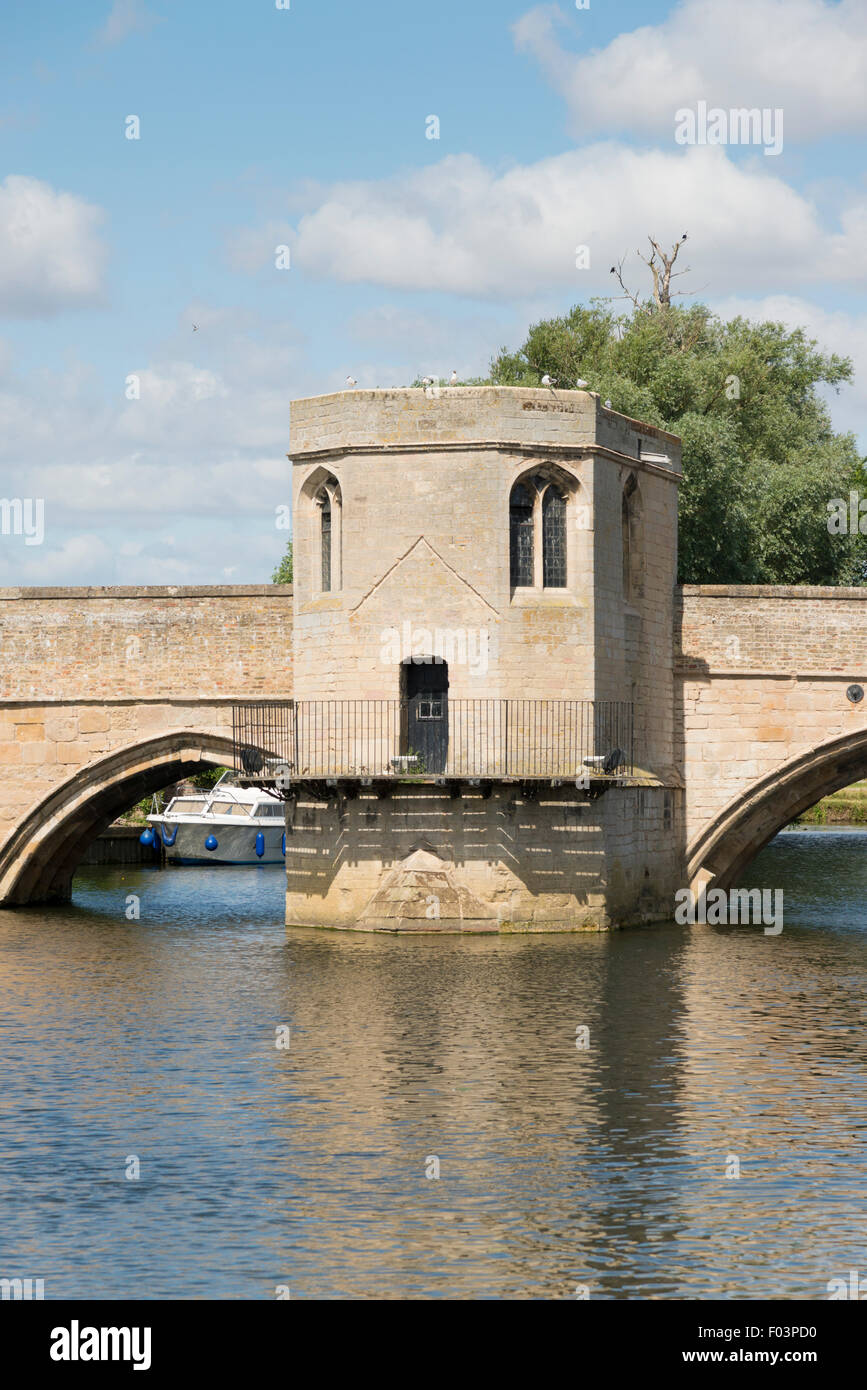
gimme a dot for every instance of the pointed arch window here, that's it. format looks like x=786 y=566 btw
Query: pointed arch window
x=325 y=539
x=521 y=537
x=538 y=529
x=553 y=538
x=328 y=503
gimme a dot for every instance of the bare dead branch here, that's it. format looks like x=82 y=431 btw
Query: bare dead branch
x=627 y=294
x=662 y=269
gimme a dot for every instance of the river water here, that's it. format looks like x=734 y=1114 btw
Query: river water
x=305 y=1167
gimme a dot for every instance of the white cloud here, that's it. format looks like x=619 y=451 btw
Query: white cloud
x=80 y=559
x=51 y=257
x=806 y=56
x=173 y=487
x=125 y=17
x=459 y=227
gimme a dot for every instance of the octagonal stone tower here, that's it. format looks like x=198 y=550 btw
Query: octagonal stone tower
x=483 y=609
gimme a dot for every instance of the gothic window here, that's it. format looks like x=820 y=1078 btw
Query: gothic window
x=538 y=519
x=325 y=533
x=521 y=537
x=325 y=536
x=553 y=539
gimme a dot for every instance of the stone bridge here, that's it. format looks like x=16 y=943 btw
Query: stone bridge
x=106 y=695
x=767 y=727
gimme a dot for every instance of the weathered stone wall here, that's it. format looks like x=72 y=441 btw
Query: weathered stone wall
x=86 y=671
x=632 y=649
x=772 y=628
x=502 y=414
x=422 y=531
x=762 y=678
x=424 y=547
x=142 y=643
x=422 y=861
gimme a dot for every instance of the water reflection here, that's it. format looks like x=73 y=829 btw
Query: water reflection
x=558 y=1167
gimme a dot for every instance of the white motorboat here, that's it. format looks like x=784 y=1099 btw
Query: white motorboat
x=226 y=824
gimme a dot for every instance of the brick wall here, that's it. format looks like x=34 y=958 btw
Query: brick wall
x=762 y=678
x=771 y=628
x=73 y=644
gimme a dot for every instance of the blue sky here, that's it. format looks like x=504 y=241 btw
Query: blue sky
x=306 y=127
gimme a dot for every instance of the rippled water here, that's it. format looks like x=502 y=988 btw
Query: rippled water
x=262 y=1167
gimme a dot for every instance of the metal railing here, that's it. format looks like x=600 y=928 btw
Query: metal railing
x=469 y=738
x=263 y=735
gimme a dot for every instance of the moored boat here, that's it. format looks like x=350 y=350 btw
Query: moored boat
x=226 y=824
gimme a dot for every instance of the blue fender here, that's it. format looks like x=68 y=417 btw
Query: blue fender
x=146 y=837
x=212 y=842
x=283 y=844
x=260 y=844
x=169 y=839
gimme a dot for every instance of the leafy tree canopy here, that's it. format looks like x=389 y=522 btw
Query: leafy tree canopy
x=283 y=572
x=761 y=460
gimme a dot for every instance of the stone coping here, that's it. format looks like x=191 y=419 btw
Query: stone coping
x=151 y=591
x=184 y=700
x=770 y=591
x=581 y=403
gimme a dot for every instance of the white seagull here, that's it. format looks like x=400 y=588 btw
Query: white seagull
x=548 y=380
x=427 y=381
x=607 y=405
x=350 y=382
x=580 y=383
x=453 y=379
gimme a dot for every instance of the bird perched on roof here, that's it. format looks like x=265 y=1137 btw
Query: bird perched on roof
x=549 y=380
x=427 y=381
x=580 y=383
x=453 y=379
x=350 y=382
x=607 y=405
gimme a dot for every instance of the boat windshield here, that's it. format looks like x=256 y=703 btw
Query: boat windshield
x=185 y=806
x=228 y=808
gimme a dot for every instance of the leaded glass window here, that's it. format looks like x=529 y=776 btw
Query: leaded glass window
x=325 y=523
x=521 y=537
x=553 y=539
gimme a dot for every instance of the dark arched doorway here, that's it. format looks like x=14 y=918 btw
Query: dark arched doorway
x=424 y=722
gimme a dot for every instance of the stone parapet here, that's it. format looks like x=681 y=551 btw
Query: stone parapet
x=495 y=416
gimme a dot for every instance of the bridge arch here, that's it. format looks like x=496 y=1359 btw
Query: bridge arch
x=726 y=845
x=39 y=859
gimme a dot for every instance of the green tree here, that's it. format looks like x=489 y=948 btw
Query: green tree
x=761 y=460
x=208 y=779
x=283 y=572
